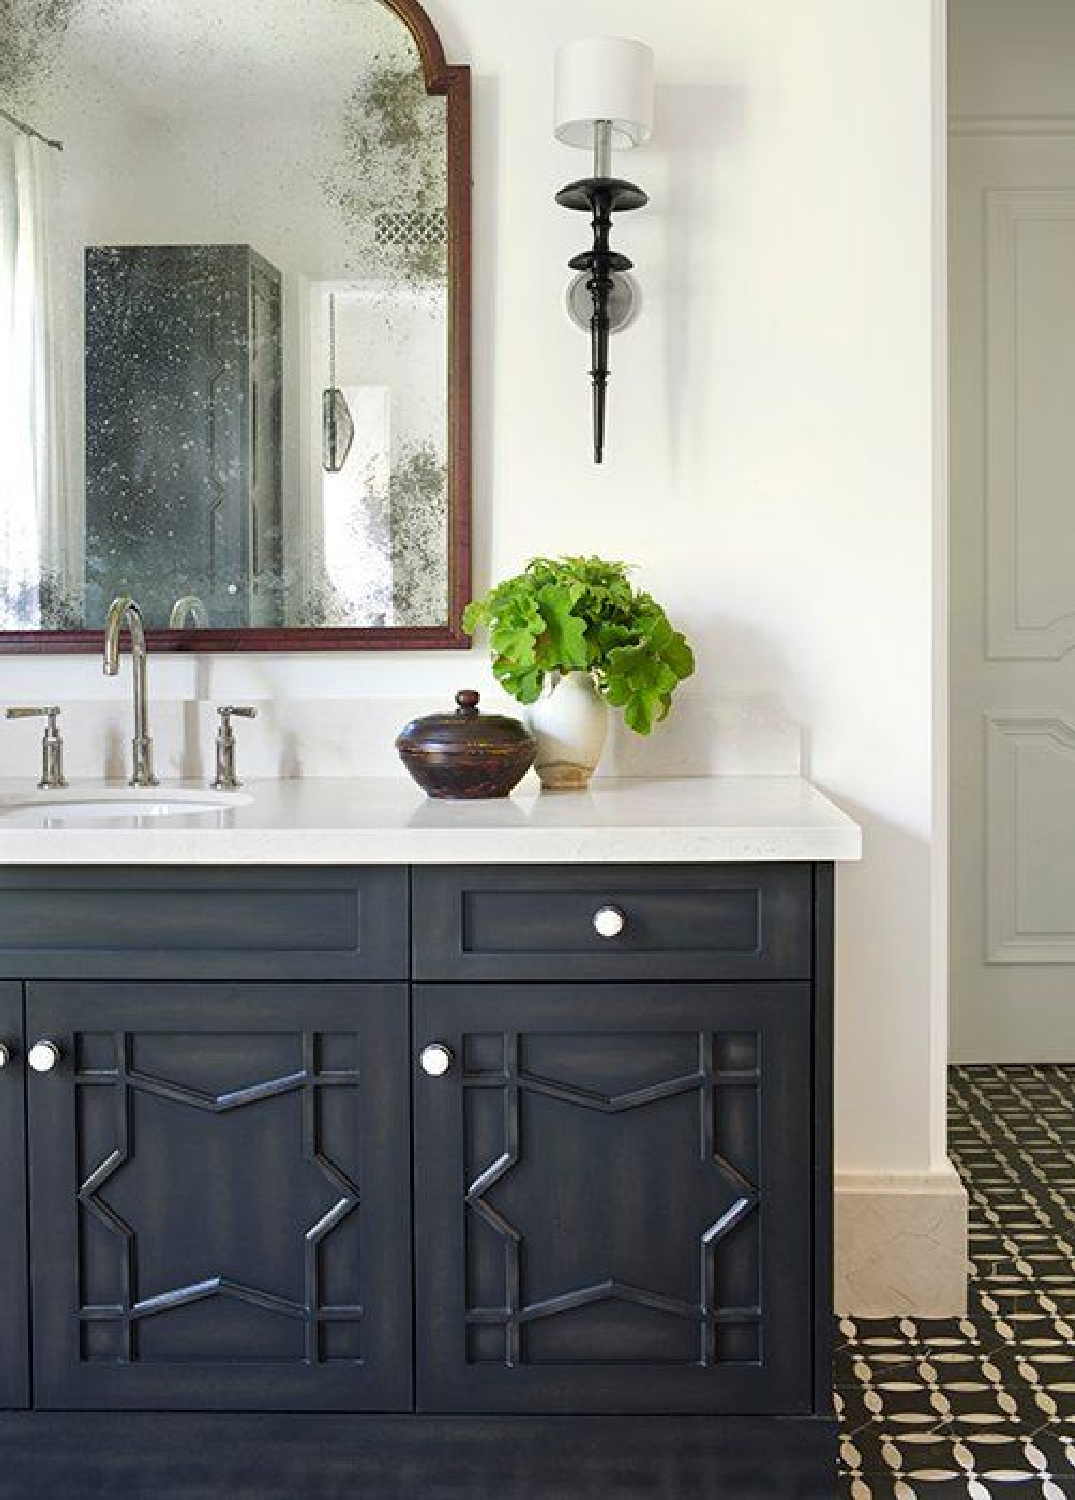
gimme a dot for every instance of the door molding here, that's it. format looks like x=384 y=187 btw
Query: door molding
x=1012 y=632
x=1011 y=125
x=1013 y=934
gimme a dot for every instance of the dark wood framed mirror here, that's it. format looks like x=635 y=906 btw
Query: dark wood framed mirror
x=235 y=294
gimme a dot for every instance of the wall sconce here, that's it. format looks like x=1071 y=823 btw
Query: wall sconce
x=604 y=98
x=337 y=424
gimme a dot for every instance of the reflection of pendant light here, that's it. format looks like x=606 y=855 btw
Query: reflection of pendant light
x=337 y=424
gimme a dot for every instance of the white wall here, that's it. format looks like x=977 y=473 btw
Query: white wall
x=769 y=459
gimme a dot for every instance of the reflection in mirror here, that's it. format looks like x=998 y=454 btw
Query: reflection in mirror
x=226 y=298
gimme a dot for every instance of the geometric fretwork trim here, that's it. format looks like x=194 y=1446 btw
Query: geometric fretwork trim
x=128 y=1312
x=198 y=1291
x=517 y=1312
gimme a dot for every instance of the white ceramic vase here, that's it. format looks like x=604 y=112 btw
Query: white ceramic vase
x=570 y=724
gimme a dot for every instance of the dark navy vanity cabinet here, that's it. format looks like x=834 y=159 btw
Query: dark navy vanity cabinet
x=378 y=1141
x=220 y=1189
x=14 y=1303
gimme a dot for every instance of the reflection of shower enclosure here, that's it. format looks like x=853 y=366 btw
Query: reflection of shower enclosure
x=183 y=431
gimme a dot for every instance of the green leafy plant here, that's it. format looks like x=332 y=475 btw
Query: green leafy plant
x=583 y=614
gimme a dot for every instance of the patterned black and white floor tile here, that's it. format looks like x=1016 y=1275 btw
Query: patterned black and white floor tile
x=981 y=1406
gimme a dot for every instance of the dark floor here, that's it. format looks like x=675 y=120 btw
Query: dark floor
x=982 y=1406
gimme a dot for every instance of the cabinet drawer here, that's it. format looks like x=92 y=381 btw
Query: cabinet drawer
x=203 y=923
x=678 y=922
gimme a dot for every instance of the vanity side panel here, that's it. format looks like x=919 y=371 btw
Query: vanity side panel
x=14 y=1316
x=167 y=923
x=823 y=1107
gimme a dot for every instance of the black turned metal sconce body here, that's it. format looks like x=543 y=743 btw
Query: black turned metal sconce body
x=601 y=197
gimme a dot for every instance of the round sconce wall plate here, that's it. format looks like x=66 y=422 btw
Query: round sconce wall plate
x=624 y=304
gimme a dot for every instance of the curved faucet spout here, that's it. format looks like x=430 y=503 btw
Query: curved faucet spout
x=189 y=606
x=125 y=611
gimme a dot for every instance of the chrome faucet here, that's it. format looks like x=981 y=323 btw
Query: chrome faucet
x=189 y=606
x=124 y=611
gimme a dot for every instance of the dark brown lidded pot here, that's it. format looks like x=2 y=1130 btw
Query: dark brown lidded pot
x=466 y=754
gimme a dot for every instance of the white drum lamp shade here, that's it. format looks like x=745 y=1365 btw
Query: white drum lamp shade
x=604 y=78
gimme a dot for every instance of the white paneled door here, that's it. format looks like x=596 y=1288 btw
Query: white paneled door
x=1012 y=297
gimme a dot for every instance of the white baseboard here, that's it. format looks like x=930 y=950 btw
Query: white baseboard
x=901 y=1244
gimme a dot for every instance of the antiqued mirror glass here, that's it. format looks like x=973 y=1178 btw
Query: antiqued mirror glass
x=234 y=294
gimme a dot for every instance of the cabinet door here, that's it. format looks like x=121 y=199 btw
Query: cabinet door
x=613 y=1198
x=219 y=1190
x=14 y=1322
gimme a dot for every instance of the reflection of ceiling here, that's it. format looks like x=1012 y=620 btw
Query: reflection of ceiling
x=181 y=57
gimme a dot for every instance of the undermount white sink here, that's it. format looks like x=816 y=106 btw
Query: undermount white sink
x=73 y=805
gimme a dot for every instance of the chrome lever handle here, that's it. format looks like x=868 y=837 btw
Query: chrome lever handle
x=226 y=778
x=52 y=777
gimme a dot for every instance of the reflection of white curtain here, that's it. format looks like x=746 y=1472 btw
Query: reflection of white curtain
x=33 y=581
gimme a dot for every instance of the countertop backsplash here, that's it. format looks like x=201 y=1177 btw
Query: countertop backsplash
x=316 y=737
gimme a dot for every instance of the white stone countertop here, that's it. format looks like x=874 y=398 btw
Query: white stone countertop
x=366 y=821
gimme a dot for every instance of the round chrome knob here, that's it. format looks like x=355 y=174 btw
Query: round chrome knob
x=5 y=1054
x=609 y=921
x=436 y=1059
x=43 y=1056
